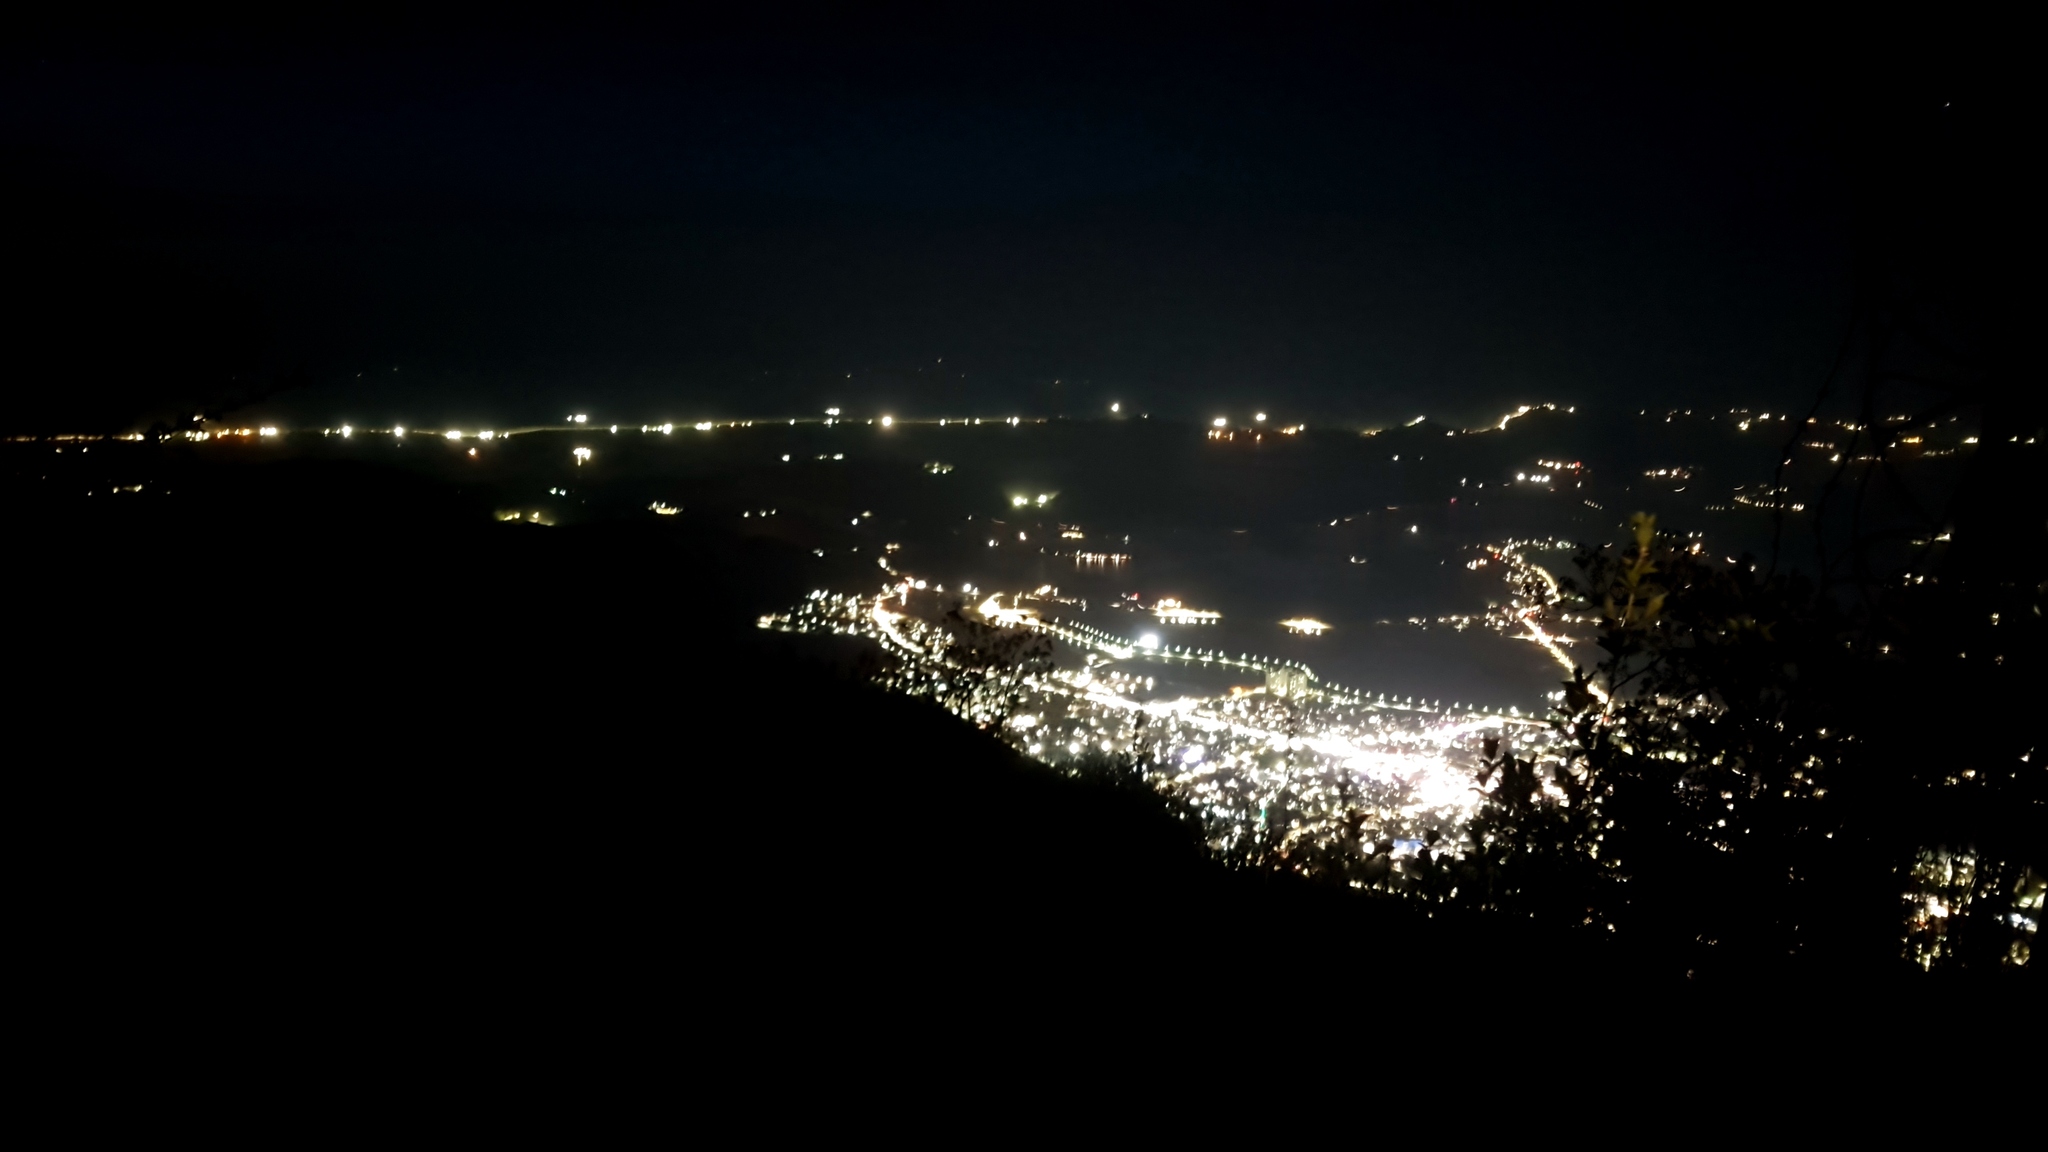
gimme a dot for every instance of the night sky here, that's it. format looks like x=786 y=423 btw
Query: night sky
x=1188 y=212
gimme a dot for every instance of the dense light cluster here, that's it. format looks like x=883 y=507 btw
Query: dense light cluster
x=1281 y=775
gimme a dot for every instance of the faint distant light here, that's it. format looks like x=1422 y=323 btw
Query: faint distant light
x=582 y=455
x=1261 y=418
x=1219 y=422
x=1148 y=640
x=888 y=420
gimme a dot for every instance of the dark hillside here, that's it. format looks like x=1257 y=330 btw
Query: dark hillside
x=321 y=728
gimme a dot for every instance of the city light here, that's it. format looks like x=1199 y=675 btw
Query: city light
x=582 y=455
x=1219 y=422
x=1171 y=611
x=1306 y=767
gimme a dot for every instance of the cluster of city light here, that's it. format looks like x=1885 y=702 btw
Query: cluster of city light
x=1305 y=626
x=1302 y=770
x=1171 y=611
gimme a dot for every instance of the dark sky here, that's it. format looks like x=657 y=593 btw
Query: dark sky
x=1189 y=211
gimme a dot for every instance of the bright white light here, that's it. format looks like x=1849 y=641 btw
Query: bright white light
x=347 y=431
x=703 y=425
x=1218 y=422
x=1116 y=407
x=579 y=419
x=1261 y=418
x=581 y=454
x=486 y=435
x=1415 y=527
x=1149 y=640
x=266 y=431
x=888 y=420
x=398 y=431
x=1019 y=501
x=785 y=457
x=453 y=435
x=831 y=411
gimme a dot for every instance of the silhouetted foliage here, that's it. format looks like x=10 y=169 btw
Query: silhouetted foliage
x=1742 y=785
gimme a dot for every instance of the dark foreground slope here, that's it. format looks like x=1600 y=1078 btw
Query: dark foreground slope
x=335 y=741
